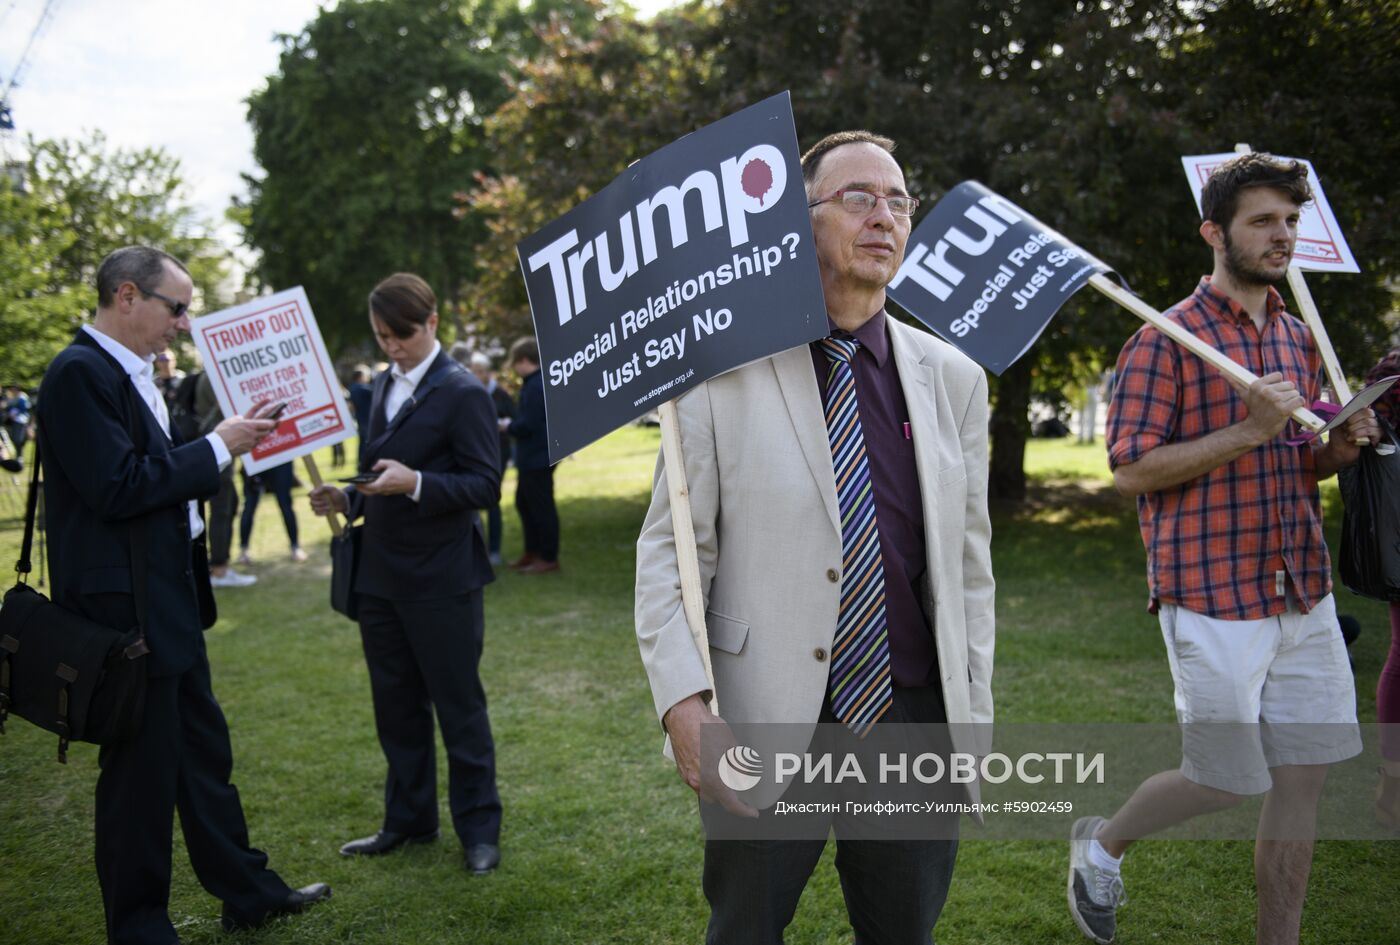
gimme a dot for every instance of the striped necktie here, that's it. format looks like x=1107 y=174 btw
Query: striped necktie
x=860 y=656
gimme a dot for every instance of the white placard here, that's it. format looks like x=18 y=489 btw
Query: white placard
x=270 y=349
x=1321 y=246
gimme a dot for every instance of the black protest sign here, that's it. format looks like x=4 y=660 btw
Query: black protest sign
x=696 y=260
x=987 y=276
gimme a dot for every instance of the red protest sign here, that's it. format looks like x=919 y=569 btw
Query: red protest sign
x=270 y=350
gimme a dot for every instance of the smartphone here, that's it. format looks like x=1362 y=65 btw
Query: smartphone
x=360 y=477
x=276 y=412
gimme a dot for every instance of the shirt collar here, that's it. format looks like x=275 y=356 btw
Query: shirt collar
x=415 y=377
x=1225 y=306
x=131 y=362
x=873 y=336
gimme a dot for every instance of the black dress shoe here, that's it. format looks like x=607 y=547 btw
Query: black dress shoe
x=482 y=858
x=297 y=901
x=386 y=841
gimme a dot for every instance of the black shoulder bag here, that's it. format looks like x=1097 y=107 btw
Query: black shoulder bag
x=78 y=679
x=1370 y=554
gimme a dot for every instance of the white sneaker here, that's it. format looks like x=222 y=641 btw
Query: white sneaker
x=1094 y=894
x=231 y=578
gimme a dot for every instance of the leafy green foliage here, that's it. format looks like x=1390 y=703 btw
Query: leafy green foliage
x=83 y=200
x=117 y=197
x=370 y=124
x=588 y=104
x=35 y=319
x=1078 y=112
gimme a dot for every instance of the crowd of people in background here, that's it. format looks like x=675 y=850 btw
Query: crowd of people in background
x=16 y=409
x=193 y=408
x=190 y=395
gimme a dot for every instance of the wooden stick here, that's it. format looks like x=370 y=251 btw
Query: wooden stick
x=315 y=473
x=683 y=530
x=1190 y=342
x=1308 y=309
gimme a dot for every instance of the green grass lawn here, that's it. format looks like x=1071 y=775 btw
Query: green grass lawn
x=601 y=841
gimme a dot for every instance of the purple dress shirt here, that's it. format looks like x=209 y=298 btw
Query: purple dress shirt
x=899 y=511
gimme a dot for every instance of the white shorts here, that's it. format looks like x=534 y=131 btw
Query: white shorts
x=1288 y=672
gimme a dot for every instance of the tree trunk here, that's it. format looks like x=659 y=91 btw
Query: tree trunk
x=1010 y=426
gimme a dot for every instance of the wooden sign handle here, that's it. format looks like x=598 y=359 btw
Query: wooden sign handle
x=314 y=472
x=683 y=530
x=1308 y=308
x=1190 y=342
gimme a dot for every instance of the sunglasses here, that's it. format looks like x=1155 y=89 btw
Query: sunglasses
x=177 y=308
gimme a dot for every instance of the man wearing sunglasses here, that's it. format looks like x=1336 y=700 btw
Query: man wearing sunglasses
x=838 y=495
x=116 y=472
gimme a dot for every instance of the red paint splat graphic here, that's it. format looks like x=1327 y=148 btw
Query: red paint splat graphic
x=757 y=179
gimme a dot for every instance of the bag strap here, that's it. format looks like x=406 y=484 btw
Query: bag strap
x=31 y=504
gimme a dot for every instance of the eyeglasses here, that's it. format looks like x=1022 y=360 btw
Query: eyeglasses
x=177 y=308
x=862 y=201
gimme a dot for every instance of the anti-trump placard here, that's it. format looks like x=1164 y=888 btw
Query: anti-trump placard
x=270 y=350
x=696 y=260
x=987 y=276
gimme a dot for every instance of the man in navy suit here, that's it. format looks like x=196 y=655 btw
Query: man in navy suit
x=110 y=469
x=432 y=440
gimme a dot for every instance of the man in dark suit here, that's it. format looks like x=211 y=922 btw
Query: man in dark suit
x=361 y=395
x=111 y=470
x=423 y=564
x=534 y=486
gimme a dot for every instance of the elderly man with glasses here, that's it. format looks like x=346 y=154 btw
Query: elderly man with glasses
x=838 y=495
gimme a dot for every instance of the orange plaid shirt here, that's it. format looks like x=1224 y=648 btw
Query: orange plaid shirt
x=1218 y=544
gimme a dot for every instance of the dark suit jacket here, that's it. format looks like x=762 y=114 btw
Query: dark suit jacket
x=529 y=428
x=99 y=484
x=361 y=399
x=505 y=410
x=432 y=548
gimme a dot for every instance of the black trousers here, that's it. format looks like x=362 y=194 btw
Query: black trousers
x=222 y=510
x=423 y=659
x=894 y=888
x=539 y=519
x=278 y=481
x=180 y=760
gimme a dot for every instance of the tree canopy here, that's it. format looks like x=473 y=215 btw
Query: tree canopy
x=1078 y=112
x=371 y=123
x=82 y=200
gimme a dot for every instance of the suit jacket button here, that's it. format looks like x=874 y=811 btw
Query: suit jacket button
x=820 y=654
x=832 y=576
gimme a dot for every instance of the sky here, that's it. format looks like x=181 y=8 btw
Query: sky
x=172 y=74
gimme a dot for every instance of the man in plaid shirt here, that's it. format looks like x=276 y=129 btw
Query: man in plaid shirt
x=1237 y=568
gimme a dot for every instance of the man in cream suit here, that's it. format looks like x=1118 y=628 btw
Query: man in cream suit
x=789 y=598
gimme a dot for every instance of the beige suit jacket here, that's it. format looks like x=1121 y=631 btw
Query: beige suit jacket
x=763 y=502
